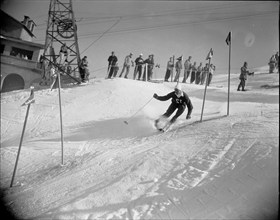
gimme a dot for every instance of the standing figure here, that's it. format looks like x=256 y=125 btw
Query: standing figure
x=204 y=73
x=178 y=68
x=179 y=101
x=272 y=64
x=212 y=68
x=139 y=62
x=187 y=70
x=169 y=69
x=112 y=62
x=126 y=65
x=243 y=77
x=149 y=70
x=198 y=74
x=63 y=54
x=193 y=72
x=84 y=73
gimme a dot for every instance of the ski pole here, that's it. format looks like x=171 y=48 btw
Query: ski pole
x=126 y=122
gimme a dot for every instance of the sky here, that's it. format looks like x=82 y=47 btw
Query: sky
x=165 y=28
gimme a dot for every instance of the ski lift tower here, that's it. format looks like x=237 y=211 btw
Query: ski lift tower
x=62 y=28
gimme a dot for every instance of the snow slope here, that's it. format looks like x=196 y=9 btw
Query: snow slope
x=224 y=167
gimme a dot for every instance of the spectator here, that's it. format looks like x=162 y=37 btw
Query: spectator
x=187 y=70
x=272 y=64
x=112 y=62
x=150 y=65
x=139 y=62
x=169 y=69
x=63 y=54
x=204 y=73
x=84 y=73
x=193 y=72
x=126 y=65
x=212 y=68
x=243 y=76
x=198 y=74
x=178 y=68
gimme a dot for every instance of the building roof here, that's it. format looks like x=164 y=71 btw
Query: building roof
x=41 y=46
x=5 y=16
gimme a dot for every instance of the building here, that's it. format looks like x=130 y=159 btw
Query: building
x=20 y=65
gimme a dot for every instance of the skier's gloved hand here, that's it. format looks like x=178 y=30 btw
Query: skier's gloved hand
x=188 y=117
x=155 y=96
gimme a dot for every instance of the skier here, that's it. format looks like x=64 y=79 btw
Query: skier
x=179 y=101
x=243 y=76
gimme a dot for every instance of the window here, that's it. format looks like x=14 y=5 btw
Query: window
x=21 y=53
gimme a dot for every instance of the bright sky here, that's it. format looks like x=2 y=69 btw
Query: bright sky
x=166 y=28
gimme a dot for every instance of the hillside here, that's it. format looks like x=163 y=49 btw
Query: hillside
x=222 y=167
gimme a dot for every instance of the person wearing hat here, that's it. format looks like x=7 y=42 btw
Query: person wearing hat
x=150 y=65
x=139 y=62
x=126 y=65
x=169 y=69
x=178 y=68
x=187 y=70
x=179 y=102
x=243 y=76
x=112 y=62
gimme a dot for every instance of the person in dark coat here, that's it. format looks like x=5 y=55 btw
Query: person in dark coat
x=112 y=62
x=179 y=101
x=139 y=62
x=84 y=73
x=243 y=76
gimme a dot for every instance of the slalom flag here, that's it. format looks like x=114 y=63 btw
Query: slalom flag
x=210 y=54
x=228 y=40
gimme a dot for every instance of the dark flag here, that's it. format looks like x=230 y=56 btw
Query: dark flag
x=228 y=40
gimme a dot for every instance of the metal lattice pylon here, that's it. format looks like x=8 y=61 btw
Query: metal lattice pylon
x=62 y=28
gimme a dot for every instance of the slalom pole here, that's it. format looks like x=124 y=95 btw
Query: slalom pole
x=126 y=122
x=207 y=76
x=229 y=76
x=60 y=111
x=31 y=100
x=146 y=72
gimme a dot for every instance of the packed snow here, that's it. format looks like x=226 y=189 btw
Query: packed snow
x=225 y=167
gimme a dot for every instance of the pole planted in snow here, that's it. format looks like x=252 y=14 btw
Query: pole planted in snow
x=60 y=111
x=207 y=78
x=229 y=74
x=28 y=102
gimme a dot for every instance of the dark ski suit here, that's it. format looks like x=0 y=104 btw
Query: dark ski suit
x=176 y=103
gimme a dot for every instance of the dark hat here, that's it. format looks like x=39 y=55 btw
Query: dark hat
x=179 y=58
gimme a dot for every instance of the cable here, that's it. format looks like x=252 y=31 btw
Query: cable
x=102 y=35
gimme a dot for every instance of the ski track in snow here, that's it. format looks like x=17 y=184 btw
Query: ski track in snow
x=121 y=172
